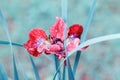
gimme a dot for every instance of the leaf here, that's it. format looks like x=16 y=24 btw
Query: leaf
x=3 y=74
x=59 y=67
x=94 y=41
x=64 y=9
x=8 y=43
x=22 y=69
x=90 y=16
x=16 y=77
x=77 y=58
x=87 y=24
x=70 y=73
x=4 y=23
x=34 y=69
x=64 y=72
x=56 y=66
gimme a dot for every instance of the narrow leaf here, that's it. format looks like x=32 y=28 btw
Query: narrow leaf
x=34 y=69
x=16 y=77
x=87 y=24
x=77 y=58
x=64 y=73
x=94 y=41
x=70 y=73
x=60 y=66
x=64 y=9
x=4 y=23
x=22 y=69
x=3 y=74
x=90 y=16
x=56 y=66
x=8 y=43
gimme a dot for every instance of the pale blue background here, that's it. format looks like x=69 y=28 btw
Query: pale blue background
x=99 y=62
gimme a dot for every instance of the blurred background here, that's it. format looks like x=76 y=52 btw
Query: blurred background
x=99 y=62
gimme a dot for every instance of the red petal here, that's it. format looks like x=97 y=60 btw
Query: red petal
x=37 y=33
x=73 y=44
x=57 y=29
x=31 y=47
x=55 y=48
x=84 y=48
x=75 y=29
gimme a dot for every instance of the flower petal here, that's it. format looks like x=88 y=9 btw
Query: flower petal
x=55 y=48
x=41 y=48
x=37 y=33
x=31 y=47
x=76 y=30
x=84 y=48
x=57 y=29
x=73 y=43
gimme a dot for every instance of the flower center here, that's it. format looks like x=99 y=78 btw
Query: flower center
x=72 y=36
x=57 y=40
x=40 y=41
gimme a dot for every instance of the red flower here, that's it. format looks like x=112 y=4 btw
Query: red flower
x=36 y=38
x=39 y=42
